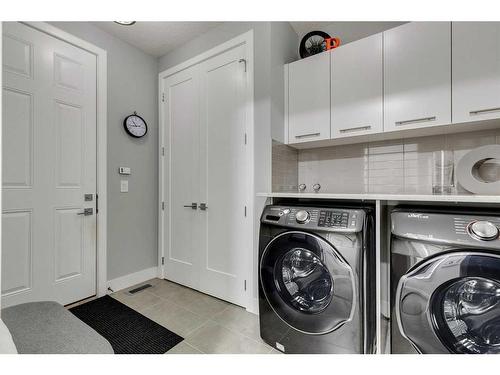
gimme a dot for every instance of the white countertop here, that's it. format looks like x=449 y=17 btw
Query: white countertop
x=390 y=197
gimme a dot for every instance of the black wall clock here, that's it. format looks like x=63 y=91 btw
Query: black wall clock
x=135 y=126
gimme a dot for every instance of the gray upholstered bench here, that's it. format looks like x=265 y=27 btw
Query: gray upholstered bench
x=48 y=328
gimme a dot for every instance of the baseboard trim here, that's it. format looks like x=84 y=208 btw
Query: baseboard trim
x=127 y=281
x=253 y=306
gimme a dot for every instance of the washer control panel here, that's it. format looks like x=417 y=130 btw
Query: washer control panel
x=448 y=229
x=315 y=218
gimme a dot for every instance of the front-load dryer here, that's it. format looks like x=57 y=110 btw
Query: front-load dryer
x=316 y=281
x=445 y=282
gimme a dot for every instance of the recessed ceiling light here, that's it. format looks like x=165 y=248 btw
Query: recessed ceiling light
x=125 y=23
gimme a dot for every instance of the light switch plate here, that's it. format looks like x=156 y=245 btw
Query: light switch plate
x=124 y=186
x=124 y=170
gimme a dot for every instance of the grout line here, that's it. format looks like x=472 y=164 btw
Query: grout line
x=194 y=347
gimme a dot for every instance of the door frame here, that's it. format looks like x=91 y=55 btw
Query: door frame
x=101 y=144
x=164 y=186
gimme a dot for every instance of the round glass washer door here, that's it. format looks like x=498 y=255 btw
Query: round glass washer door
x=467 y=314
x=451 y=304
x=307 y=282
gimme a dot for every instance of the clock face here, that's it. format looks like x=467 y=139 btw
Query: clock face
x=135 y=126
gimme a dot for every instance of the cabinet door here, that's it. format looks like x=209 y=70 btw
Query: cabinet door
x=476 y=71
x=309 y=99
x=417 y=75
x=357 y=106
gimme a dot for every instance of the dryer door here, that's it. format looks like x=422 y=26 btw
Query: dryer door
x=451 y=304
x=307 y=282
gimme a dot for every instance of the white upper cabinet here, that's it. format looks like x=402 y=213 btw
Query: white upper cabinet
x=476 y=71
x=417 y=75
x=309 y=99
x=357 y=91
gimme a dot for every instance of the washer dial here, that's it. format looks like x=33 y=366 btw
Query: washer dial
x=483 y=230
x=302 y=216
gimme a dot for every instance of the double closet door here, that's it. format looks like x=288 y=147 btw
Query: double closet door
x=206 y=176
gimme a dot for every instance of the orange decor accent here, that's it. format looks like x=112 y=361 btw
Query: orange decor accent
x=332 y=43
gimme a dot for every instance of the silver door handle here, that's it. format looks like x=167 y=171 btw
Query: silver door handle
x=423 y=119
x=193 y=206
x=481 y=111
x=307 y=135
x=203 y=206
x=86 y=212
x=357 y=129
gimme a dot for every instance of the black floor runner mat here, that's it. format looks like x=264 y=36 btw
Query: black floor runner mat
x=127 y=331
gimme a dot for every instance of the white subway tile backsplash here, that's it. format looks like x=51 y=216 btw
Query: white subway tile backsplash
x=396 y=166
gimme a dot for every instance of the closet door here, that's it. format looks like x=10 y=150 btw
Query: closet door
x=223 y=175
x=182 y=176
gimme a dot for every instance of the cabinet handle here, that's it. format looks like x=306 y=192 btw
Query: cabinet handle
x=307 y=135
x=481 y=111
x=193 y=206
x=423 y=119
x=356 y=129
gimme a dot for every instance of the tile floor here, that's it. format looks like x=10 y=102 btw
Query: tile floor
x=208 y=325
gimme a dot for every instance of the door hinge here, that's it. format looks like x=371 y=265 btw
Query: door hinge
x=96 y=203
x=245 y=211
x=245 y=285
x=163 y=151
x=243 y=61
x=245 y=138
x=163 y=97
x=163 y=205
x=162 y=261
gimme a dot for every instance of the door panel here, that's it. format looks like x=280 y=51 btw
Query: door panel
x=69 y=244
x=476 y=71
x=357 y=88
x=18 y=129
x=17 y=233
x=49 y=164
x=69 y=147
x=417 y=75
x=183 y=137
x=309 y=99
x=223 y=183
x=19 y=60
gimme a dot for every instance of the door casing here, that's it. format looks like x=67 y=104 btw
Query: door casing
x=243 y=39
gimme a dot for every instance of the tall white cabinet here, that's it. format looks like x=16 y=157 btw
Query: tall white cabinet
x=476 y=71
x=309 y=99
x=356 y=89
x=417 y=75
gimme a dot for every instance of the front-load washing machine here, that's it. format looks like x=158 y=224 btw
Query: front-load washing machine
x=316 y=279
x=445 y=282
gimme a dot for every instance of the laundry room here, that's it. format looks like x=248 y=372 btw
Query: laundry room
x=219 y=184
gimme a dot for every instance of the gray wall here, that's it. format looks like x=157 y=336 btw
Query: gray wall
x=132 y=86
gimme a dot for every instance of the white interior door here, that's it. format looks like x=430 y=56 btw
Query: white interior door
x=49 y=164
x=182 y=122
x=224 y=175
x=205 y=121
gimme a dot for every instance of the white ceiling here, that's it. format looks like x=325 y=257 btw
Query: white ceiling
x=157 y=38
x=346 y=31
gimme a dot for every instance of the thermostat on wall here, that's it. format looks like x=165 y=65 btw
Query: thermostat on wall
x=124 y=170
